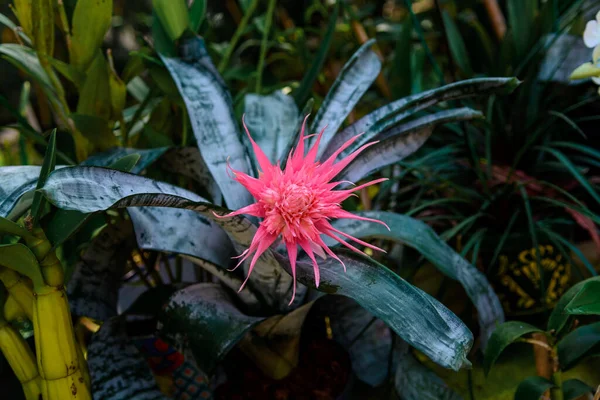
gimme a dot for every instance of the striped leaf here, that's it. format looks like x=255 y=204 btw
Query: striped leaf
x=353 y=81
x=210 y=109
x=387 y=116
x=401 y=141
x=117 y=368
x=419 y=235
x=416 y=317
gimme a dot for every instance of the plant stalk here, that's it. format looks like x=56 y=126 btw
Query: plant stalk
x=237 y=35
x=263 y=45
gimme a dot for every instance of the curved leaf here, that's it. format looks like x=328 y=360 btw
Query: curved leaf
x=582 y=342
x=390 y=114
x=14 y=183
x=94 y=287
x=532 y=388
x=401 y=141
x=367 y=339
x=203 y=318
x=415 y=316
x=587 y=301
x=19 y=258
x=560 y=316
x=210 y=109
x=88 y=33
x=181 y=231
x=504 y=335
x=353 y=81
x=117 y=368
x=37 y=206
x=77 y=189
x=414 y=381
x=420 y=236
x=269 y=120
x=574 y=388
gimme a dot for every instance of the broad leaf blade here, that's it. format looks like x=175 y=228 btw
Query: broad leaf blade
x=401 y=141
x=392 y=113
x=582 y=342
x=14 y=183
x=414 y=381
x=457 y=45
x=88 y=33
x=368 y=340
x=117 y=368
x=77 y=189
x=354 y=79
x=560 y=317
x=268 y=119
x=210 y=109
x=532 y=388
x=19 y=258
x=94 y=287
x=587 y=301
x=415 y=316
x=420 y=236
x=203 y=318
x=574 y=388
x=504 y=335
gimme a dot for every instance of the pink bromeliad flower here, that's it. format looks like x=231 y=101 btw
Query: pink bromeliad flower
x=298 y=202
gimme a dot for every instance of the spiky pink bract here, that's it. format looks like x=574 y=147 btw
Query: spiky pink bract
x=298 y=203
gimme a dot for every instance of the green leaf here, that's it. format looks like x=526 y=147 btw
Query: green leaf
x=6 y=21
x=354 y=79
x=419 y=235
x=7 y=227
x=42 y=17
x=22 y=9
x=415 y=316
x=559 y=316
x=37 y=207
x=387 y=116
x=303 y=92
x=457 y=45
x=94 y=287
x=69 y=71
x=574 y=171
x=173 y=15
x=574 y=388
x=203 y=317
x=268 y=119
x=87 y=34
x=399 y=142
x=96 y=130
x=65 y=223
x=162 y=42
x=521 y=19
x=197 y=14
x=582 y=342
x=532 y=388
x=400 y=73
x=587 y=301
x=94 y=98
x=26 y=59
x=90 y=189
x=504 y=335
x=118 y=94
x=117 y=368
x=414 y=381
x=210 y=109
x=19 y=258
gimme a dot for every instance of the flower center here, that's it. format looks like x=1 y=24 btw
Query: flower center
x=288 y=208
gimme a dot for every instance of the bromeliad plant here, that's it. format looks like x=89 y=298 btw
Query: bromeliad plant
x=205 y=320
